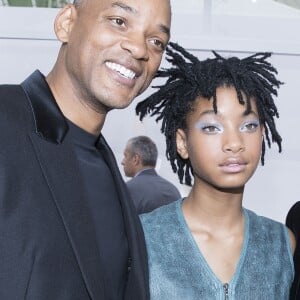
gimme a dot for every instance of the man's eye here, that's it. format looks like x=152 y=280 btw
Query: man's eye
x=118 y=21
x=158 y=43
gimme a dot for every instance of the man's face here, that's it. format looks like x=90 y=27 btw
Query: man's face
x=129 y=162
x=114 y=49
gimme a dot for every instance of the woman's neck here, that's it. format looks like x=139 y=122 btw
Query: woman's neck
x=214 y=208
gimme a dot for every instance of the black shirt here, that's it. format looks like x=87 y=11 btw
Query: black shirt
x=106 y=212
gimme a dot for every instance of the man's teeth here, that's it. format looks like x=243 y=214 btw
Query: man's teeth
x=121 y=69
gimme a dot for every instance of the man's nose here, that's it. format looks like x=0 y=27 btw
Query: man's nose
x=137 y=46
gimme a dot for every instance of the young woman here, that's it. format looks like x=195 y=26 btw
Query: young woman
x=216 y=115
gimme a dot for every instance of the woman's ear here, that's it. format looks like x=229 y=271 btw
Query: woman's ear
x=64 y=22
x=181 y=144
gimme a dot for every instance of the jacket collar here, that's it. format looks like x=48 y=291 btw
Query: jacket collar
x=50 y=123
x=148 y=171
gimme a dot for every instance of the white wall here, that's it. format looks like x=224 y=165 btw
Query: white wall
x=27 y=42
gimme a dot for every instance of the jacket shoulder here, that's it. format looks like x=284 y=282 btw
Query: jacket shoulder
x=13 y=98
x=15 y=111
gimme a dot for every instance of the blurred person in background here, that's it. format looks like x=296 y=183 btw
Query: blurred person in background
x=148 y=190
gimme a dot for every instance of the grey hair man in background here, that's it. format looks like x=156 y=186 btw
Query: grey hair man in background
x=148 y=190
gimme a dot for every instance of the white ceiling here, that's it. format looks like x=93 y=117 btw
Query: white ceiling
x=235 y=25
x=272 y=8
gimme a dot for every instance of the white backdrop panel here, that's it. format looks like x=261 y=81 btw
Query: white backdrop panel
x=27 y=42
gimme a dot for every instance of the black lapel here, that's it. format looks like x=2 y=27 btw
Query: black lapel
x=49 y=121
x=60 y=169
x=137 y=285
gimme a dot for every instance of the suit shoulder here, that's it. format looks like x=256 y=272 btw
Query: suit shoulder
x=12 y=97
x=14 y=108
x=8 y=90
x=132 y=182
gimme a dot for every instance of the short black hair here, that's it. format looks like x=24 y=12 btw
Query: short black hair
x=188 y=78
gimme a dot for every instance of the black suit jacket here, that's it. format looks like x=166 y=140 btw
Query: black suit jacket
x=293 y=222
x=148 y=191
x=48 y=248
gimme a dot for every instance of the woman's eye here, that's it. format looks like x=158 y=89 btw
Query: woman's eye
x=211 y=129
x=250 y=127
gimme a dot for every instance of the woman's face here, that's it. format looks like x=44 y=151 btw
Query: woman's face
x=224 y=148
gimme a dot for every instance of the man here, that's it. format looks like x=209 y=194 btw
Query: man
x=148 y=190
x=67 y=229
x=293 y=222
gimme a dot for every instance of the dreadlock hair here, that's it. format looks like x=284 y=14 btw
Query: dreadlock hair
x=189 y=78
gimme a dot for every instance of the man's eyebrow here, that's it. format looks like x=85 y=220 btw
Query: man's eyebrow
x=165 y=29
x=125 y=7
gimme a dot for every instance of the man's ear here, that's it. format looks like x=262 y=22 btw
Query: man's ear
x=64 y=22
x=181 y=144
x=136 y=159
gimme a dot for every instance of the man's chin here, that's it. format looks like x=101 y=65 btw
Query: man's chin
x=121 y=106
